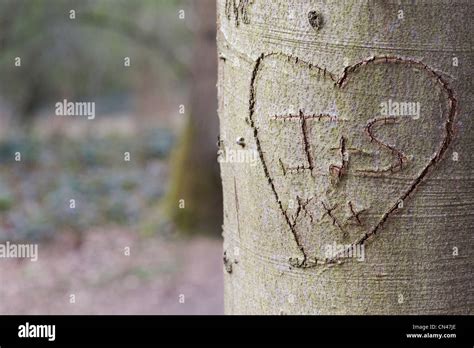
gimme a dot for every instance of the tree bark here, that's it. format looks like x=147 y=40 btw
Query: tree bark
x=360 y=199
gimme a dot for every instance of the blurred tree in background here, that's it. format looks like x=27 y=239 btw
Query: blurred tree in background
x=195 y=170
x=84 y=60
x=173 y=63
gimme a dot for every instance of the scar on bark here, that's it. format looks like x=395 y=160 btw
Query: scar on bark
x=337 y=172
x=328 y=212
x=315 y=19
x=299 y=116
x=282 y=166
x=237 y=206
x=306 y=143
x=239 y=9
x=298 y=169
x=228 y=263
x=355 y=214
x=252 y=100
x=448 y=127
x=401 y=157
x=307 y=150
x=341 y=82
x=302 y=207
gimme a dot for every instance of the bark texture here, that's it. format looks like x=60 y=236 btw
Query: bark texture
x=361 y=197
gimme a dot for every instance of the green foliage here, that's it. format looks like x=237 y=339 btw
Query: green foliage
x=35 y=193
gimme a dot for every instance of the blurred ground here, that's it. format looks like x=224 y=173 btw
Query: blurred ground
x=105 y=281
x=82 y=250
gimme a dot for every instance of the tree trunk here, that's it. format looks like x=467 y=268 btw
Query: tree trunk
x=195 y=173
x=360 y=197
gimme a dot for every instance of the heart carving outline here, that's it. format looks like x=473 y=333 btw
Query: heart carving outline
x=340 y=82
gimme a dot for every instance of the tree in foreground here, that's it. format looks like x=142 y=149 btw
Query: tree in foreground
x=346 y=156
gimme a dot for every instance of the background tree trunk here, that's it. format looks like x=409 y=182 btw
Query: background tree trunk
x=195 y=172
x=355 y=204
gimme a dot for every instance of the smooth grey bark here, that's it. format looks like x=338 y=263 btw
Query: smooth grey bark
x=319 y=91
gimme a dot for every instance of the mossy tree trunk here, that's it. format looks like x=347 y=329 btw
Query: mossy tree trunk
x=361 y=198
x=195 y=197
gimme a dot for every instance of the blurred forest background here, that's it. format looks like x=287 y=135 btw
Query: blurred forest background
x=164 y=204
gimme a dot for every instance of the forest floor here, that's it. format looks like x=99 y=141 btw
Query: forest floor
x=162 y=275
x=83 y=266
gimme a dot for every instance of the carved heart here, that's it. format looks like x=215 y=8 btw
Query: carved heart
x=335 y=151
